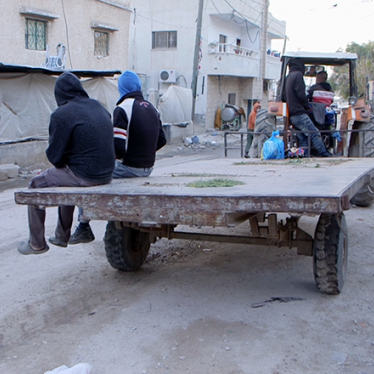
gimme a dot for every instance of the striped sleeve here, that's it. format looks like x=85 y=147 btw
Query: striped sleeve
x=120 y=133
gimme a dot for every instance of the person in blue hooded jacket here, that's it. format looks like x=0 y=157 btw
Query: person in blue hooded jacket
x=81 y=151
x=138 y=135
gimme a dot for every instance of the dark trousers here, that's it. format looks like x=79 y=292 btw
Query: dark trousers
x=249 y=140
x=53 y=177
x=306 y=128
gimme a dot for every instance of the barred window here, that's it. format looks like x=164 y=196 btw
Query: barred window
x=232 y=98
x=101 y=43
x=36 y=34
x=164 y=39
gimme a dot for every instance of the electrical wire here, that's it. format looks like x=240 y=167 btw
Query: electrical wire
x=67 y=32
x=245 y=19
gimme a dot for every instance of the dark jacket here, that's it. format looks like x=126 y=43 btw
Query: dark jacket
x=323 y=86
x=145 y=135
x=295 y=95
x=80 y=133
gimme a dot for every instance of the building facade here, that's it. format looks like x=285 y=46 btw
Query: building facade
x=85 y=34
x=225 y=46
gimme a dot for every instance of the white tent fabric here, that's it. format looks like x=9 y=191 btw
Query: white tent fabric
x=175 y=106
x=27 y=101
x=105 y=90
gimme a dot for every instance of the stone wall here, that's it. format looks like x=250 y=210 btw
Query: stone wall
x=71 y=23
x=24 y=154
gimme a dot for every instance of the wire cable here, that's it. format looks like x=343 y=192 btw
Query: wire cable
x=67 y=32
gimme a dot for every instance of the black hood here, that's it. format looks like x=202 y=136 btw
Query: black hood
x=67 y=88
x=297 y=65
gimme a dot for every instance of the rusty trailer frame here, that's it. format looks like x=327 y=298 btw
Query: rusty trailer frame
x=158 y=205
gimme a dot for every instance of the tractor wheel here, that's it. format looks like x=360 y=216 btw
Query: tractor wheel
x=265 y=125
x=362 y=144
x=126 y=249
x=330 y=253
x=365 y=195
x=368 y=138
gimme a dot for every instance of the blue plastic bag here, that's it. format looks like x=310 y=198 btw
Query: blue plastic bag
x=273 y=148
x=337 y=135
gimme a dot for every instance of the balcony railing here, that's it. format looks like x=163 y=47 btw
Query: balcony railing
x=232 y=49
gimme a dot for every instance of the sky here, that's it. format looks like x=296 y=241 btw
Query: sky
x=324 y=25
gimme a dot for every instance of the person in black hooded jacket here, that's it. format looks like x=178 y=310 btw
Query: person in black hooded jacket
x=298 y=107
x=81 y=150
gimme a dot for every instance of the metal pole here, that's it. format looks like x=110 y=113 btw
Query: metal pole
x=195 y=70
x=264 y=38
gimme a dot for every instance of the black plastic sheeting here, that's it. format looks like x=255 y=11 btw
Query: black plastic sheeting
x=6 y=68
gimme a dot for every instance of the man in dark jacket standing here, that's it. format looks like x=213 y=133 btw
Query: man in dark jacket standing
x=138 y=134
x=82 y=152
x=298 y=106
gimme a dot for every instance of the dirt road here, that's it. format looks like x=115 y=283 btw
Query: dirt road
x=194 y=307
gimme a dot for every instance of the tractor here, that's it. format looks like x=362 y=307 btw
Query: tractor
x=355 y=124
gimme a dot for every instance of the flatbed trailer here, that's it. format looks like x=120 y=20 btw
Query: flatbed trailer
x=140 y=210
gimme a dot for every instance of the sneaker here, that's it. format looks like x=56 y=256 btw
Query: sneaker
x=82 y=236
x=246 y=155
x=53 y=240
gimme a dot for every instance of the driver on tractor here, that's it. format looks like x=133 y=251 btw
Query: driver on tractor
x=298 y=106
x=321 y=92
x=321 y=97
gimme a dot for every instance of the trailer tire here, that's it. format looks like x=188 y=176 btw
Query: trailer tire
x=330 y=253
x=126 y=249
x=265 y=125
x=365 y=196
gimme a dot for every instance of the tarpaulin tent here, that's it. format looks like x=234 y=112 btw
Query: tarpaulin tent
x=175 y=106
x=27 y=98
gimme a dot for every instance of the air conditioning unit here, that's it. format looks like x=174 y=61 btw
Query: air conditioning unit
x=168 y=76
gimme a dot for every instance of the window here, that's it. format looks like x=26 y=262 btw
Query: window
x=222 y=42
x=232 y=98
x=101 y=43
x=36 y=34
x=164 y=39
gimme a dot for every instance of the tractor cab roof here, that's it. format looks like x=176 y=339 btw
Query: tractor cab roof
x=315 y=62
x=316 y=58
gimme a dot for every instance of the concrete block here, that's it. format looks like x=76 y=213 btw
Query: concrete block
x=24 y=154
x=10 y=169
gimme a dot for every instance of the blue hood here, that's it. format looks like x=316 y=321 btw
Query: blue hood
x=128 y=82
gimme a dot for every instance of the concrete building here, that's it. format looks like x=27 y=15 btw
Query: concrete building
x=234 y=62
x=93 y=33
x=84 y=35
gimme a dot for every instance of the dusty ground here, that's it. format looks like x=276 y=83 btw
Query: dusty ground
x=192 y=308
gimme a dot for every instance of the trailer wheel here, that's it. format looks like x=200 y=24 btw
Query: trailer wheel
x=330 y=253
x=365 y=195
x=126 y=249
